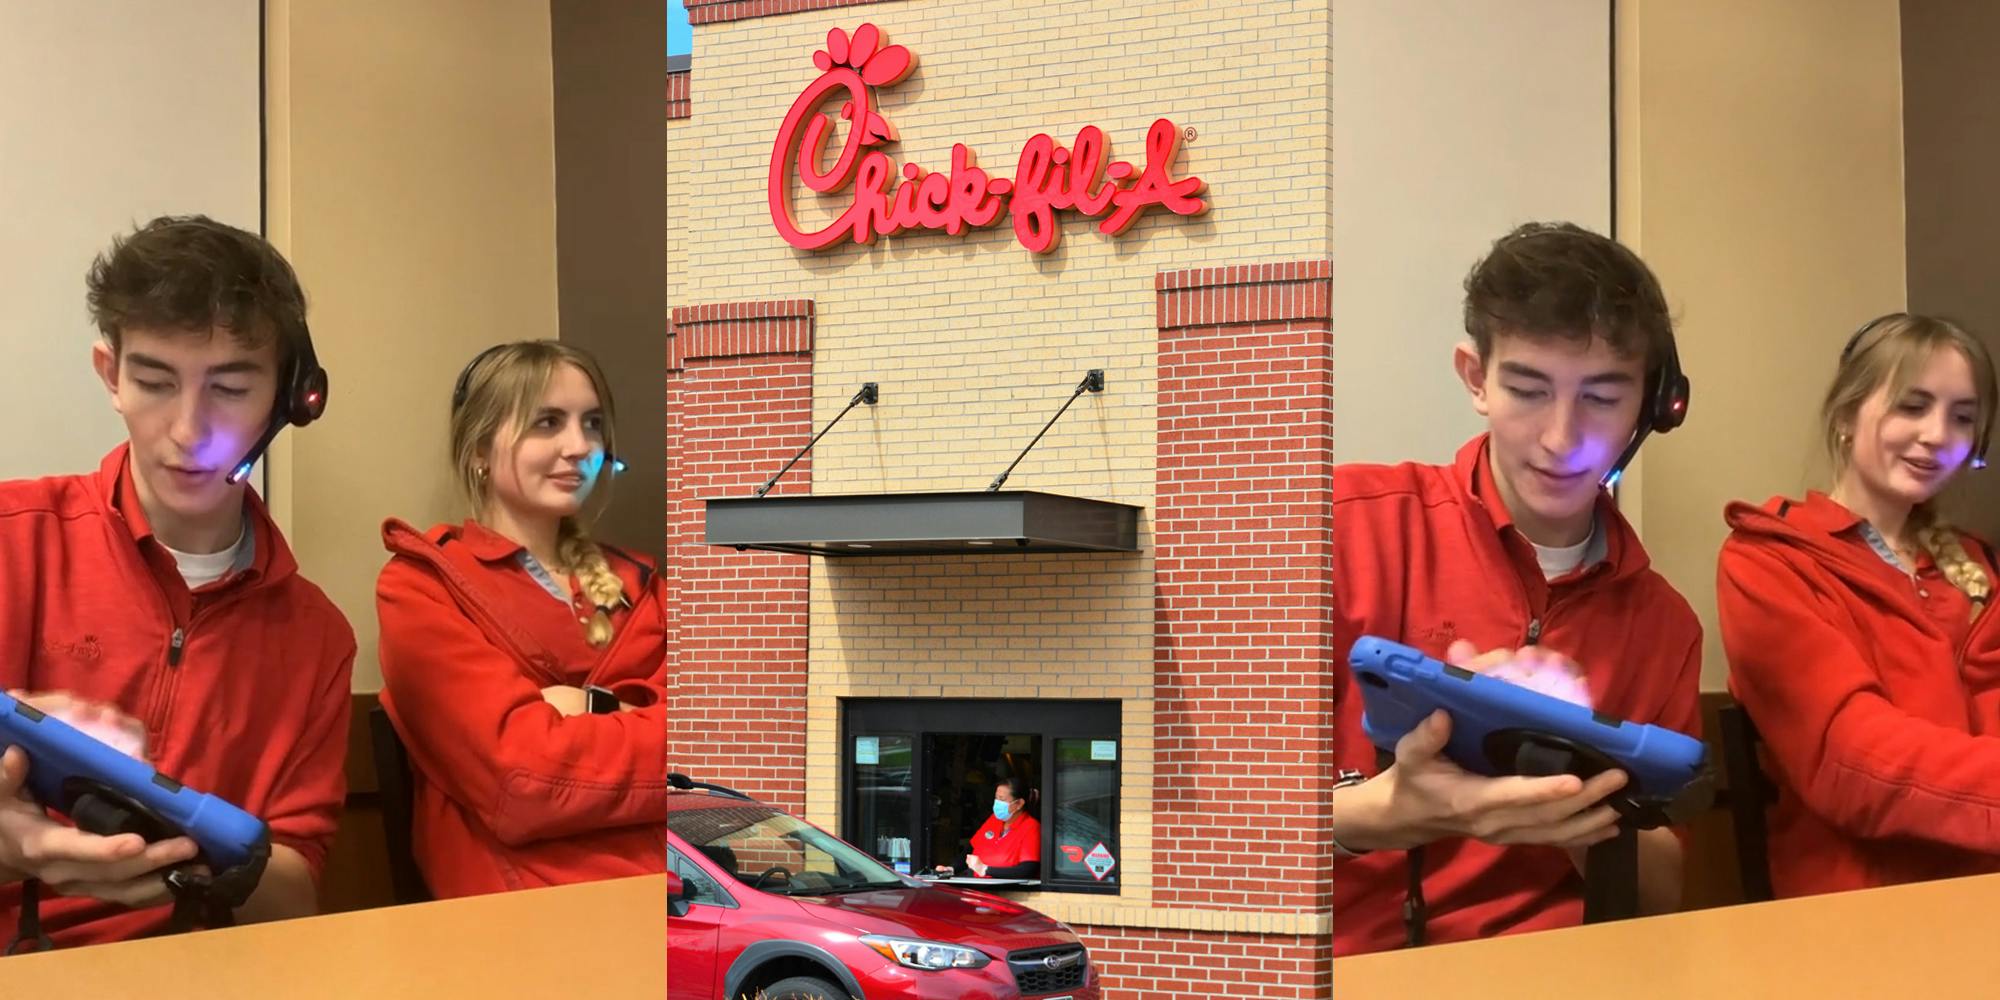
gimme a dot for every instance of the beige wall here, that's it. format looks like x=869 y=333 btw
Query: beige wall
x=1445 y=137
x=98 y=133
x=975 y=342
x=413 y=185
x=1760 y=174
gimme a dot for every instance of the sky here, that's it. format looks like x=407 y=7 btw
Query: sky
x=680 y=41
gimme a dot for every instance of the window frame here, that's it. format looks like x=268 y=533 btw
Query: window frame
x=728 y=902
x=1046 y=720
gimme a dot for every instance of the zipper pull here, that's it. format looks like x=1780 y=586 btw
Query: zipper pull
x=174 y=648
x=1534 y=631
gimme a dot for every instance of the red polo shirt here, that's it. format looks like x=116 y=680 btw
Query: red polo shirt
x=1425 y=555
x=1877 y=697
x=254 y=705
x=1003 y=847
x=510 y=794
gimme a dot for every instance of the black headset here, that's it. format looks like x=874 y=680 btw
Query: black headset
x=302 y=392
x=1847 y=351
x=463 y=388
x=301 y=400
x=1983 y=440
x=1666 y=408
x=464 y=385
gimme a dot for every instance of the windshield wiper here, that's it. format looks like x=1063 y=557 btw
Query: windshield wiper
x=828 y=890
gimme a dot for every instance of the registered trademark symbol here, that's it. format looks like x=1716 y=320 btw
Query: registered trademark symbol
x=1188 y=133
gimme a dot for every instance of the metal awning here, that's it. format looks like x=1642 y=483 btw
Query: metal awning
x=897 y=524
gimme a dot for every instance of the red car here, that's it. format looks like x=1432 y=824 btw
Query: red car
x=766 y=906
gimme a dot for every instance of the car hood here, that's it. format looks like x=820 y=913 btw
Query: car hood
x=945 y=914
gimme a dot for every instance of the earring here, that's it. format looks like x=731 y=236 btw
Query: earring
x=481 y=473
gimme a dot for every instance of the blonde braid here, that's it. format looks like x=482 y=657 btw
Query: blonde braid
x=584 y=558
x=1948 y=551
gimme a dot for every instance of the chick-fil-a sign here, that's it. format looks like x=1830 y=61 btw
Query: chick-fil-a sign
x=1047 y=179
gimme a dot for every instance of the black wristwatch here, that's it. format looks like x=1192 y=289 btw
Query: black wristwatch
x=599 y=700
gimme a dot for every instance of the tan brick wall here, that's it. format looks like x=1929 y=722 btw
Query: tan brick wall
x=976 y=342
x=680 y=134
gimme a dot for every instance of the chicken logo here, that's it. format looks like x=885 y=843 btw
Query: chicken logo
x=885 y=200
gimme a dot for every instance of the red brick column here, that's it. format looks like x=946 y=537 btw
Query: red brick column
x=1140 y=963
x=739 y=403
x=680 y=91
x=1243 y=647
x=677 y=495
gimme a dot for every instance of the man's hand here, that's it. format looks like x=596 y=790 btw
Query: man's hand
x=1536 y=668
x=1423 y=797
x=123 y=869
x=95 y=719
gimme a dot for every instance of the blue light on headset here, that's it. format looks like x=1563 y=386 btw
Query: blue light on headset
x=242 y=472
x=618 y=465
x=1612 y=480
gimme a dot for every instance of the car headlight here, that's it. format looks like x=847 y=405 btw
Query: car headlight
x=925 y=954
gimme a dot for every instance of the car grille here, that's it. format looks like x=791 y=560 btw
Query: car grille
x=1034 y=976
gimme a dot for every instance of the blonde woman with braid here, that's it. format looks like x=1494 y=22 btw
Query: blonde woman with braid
x=1859 y=633
x=523 y=664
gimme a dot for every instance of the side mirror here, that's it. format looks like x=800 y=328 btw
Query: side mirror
x=677 y=901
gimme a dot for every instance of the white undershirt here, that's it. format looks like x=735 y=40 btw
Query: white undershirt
x=201 y=569
x=1570 y=558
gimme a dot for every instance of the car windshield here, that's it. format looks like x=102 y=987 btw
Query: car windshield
x=770 y=850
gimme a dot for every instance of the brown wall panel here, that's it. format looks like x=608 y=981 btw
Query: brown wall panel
x=1951 y=140
x=611 y=234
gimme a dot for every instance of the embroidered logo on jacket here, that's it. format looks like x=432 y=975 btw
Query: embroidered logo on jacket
x=85 y=649
x=1440 y=634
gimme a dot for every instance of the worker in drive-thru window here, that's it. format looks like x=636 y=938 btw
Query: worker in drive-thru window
x=1009 y=843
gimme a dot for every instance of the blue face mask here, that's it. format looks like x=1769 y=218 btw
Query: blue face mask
x=1000 y=810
